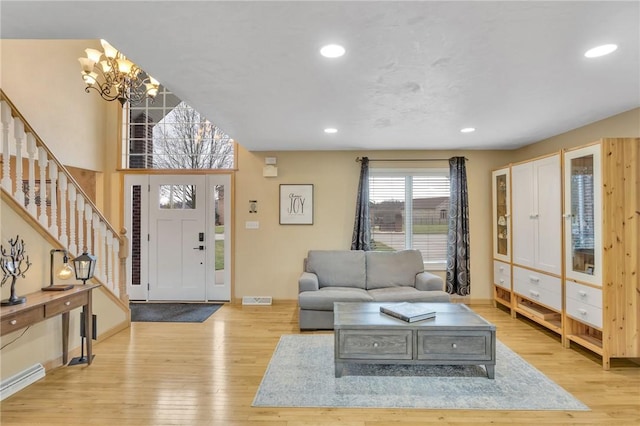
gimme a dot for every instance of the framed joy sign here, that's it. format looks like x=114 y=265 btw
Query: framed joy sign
x=296 y=204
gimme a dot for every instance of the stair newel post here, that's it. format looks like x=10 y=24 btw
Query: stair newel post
x=5 y=119
x=18 y=134
x=73 y=248
x=42 y=163
x=80 y=211
x=62 y=182
x=32 y=150
x=53 y=176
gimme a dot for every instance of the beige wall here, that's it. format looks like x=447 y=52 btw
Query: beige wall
x=268 y=260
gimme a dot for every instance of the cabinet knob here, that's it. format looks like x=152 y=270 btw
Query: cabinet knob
x=534 y=293
x=502 y=269
x=454 y=346
x=582 y=294
x=376 y=344
x=13 y=322
x=67 y=303
x=582 y=312
x=534 y=279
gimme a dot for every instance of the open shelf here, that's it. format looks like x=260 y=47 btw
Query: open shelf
x=502 y=296
x=540 y=314
x=584 y=335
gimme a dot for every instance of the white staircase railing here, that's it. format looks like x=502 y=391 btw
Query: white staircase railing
x=55 y=200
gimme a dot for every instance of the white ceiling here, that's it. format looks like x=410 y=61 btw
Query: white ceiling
x=414 y=74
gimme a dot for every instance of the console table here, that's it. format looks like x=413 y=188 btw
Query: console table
x=43 y=305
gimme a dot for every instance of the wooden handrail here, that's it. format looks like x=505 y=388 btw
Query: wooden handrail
x=40 y=142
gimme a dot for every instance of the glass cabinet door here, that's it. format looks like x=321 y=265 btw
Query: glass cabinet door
x=583 y=214
x=501 y=215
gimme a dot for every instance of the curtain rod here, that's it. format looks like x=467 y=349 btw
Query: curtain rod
x=359 y=159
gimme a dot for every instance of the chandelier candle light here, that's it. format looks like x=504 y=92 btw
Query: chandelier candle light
x=116 y=77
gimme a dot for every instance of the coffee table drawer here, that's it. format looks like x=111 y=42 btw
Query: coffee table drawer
x=454 y=346
x=373 y=344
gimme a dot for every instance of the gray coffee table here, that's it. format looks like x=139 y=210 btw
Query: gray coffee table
x=457 y=335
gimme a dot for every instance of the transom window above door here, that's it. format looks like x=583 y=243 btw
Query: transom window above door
x=167 y=133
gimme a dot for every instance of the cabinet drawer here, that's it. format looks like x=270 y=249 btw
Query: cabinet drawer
x=584 y=313
x=502 y=274
x=13 y=322
x=58 y=306
x=582 y=293
x=454 y=346
x=371 y=344
x=537 y=280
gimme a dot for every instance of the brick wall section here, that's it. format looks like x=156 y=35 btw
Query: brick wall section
x=141 y=142
x=136 y=235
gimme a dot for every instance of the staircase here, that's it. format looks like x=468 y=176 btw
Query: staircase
x=59 y=209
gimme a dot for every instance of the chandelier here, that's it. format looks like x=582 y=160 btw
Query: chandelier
x=116 y=77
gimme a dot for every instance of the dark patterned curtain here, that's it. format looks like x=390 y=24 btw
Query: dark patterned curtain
x=458 y=274
x=361 y=239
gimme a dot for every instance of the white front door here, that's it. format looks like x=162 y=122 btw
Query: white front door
x=177 y=238
x=179 y=241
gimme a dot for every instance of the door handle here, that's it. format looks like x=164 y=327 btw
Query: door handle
x=199 y=248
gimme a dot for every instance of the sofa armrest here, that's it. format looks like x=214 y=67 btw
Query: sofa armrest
x=308 y=281
x=426 y=281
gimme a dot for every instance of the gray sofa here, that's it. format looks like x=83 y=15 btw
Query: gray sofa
x=357 y=276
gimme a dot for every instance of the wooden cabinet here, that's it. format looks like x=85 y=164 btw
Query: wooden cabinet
x=602 y=248
x=501 y=235
x=575 y=240
x=537 y=240
x=537 y=214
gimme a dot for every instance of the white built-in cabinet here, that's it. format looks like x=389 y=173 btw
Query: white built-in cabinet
x=574 y=265
x=536 y=208
x=501 y=199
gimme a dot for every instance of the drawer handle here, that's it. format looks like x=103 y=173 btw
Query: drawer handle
x=501 y=281
x=582 y=312
x=67 y=303
x=454 y=346
x=13 y=322
x=376 y=344
x=534 y=293
x=582 y=294
x=534 y=279
x=502 y=269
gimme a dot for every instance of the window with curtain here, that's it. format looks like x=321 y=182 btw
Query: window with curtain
x=409 y=210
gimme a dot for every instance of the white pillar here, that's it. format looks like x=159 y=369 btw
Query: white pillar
x=80 y=208
x=5 y=119
x=62 y=181
x=116 y=265
x=42 y=163
x=53 y=175
x=109 y=258
x=31 y=194
x=73 y=248
x=18 y=134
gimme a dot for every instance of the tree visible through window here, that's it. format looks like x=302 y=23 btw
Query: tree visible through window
x=410 y=210
x=169 y=134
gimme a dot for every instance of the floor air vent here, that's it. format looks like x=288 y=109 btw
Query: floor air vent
x=21 y=380
x=256 y=300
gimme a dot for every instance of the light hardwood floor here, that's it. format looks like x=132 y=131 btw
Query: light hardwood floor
x=208 y=374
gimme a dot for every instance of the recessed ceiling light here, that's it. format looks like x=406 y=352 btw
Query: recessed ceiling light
x=468 y=130
x=330 y=130
x=605 y=49
x=332 y=51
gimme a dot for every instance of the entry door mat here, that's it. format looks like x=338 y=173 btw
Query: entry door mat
x=172 y=312
x=301 y=374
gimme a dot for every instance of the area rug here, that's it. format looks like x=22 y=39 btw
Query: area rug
x=301 y=374
x=172 y=312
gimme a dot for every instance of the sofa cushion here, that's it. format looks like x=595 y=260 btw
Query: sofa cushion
x=393 y=268
x=408 y=294
x=322 y=300
x=338 y=268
